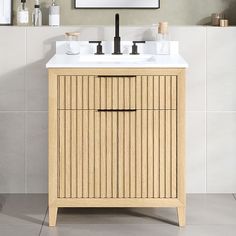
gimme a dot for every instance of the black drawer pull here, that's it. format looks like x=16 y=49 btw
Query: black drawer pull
x=116 y=76
x=116 y=110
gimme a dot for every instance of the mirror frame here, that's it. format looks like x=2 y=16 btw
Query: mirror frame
x=156 y=6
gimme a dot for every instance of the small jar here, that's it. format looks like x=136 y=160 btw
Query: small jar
x=224 y=23
x=72 y=43
x=215 y=19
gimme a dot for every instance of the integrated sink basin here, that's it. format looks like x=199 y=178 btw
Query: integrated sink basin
x=116 y=58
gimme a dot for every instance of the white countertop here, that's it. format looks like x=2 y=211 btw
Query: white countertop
x=158 y=61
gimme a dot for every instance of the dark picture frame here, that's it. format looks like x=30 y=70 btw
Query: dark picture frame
x=6 y=12
x=155 y=5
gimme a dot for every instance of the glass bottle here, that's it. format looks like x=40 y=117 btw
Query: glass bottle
x=37 y=15
x=163 y=40
x=54 y=14
x=22 y=14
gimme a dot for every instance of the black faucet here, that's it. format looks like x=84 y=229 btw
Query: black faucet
x=117 y=36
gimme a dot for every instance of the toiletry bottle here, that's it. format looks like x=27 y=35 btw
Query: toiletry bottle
x=22 y=14
x=54 y=14
x=37 y=15
x=163 y=31
x=163 y=45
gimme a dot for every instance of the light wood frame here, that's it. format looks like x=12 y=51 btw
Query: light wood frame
x=55 y=202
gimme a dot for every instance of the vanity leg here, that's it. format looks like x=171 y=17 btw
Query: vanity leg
x=52 y=215
x=181 y=216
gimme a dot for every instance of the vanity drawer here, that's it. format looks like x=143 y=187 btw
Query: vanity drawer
x=117 y=92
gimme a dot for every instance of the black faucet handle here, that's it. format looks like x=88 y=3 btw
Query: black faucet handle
x=135 y=47
x=99 y=47
x=134 y=42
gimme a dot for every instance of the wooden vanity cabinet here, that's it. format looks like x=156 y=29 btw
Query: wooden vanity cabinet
x=116 y=138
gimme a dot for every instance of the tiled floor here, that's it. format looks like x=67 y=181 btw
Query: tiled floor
x=207 y=215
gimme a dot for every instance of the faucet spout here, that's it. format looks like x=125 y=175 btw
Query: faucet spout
x=117 y=25
x=117 y=36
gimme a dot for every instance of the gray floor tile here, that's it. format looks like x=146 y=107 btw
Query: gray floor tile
x=208 y=230
x=139 y=230
x=19 y=230
x=211 y=209
x=22 y=209
x=111 y=230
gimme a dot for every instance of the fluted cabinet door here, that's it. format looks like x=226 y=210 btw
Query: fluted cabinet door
x=117 y=154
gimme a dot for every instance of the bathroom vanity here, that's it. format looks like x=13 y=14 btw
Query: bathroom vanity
x=116 y=132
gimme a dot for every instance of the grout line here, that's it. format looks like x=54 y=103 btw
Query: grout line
x=25 y=117
x=206 y=114
x=216 y=111
x=234 y=196
x=25 y=151
x=41 y=228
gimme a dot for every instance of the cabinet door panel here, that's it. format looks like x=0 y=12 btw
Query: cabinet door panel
x=117 y=154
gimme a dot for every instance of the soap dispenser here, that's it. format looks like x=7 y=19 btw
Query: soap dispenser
x=22 y=14
x=37 y=14
x=54 y=14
